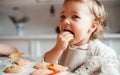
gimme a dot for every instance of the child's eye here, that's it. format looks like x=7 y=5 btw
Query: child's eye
x=75 y=16
x=63 y=17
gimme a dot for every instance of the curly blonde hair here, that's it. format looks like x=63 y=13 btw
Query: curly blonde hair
x=98 y=11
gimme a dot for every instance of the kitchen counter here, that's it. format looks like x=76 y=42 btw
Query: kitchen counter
x=31 y=45
x=113 y=35
x=37 y=45
x=50 y=36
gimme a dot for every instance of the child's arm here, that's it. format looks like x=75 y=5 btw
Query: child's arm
x=53 y=55
x=7 y=49
x=62 y=43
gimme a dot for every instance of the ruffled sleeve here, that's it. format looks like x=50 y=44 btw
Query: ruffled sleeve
x=97 y=65
x=111 y=66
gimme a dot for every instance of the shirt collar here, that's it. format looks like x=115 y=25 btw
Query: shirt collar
x=81 y=47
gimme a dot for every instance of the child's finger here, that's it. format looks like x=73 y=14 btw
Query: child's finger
x=65 y=34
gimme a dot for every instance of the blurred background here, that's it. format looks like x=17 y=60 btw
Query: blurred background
x=30 y=25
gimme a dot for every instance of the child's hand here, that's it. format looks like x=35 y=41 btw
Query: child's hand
x=63 y=40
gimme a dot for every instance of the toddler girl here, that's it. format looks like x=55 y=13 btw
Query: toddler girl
x=77 y=46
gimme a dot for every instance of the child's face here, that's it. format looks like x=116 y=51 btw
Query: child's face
x=76 y=17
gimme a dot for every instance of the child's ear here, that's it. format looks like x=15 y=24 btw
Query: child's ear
x=94 y=25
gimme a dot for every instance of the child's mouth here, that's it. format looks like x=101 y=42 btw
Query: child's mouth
x=69 y=31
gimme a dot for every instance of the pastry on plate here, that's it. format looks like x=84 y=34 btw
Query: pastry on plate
x=16 y=55
x=21 y=62
x=13 y=68
x=16 y=66
x=41 y=72
x=45 y=68
x=41 y=65
x=56 y=67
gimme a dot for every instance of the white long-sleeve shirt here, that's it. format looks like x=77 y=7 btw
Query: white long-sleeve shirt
x=75 y=56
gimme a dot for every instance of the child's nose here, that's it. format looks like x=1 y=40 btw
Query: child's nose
x=66 y=21
x=66 y=24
